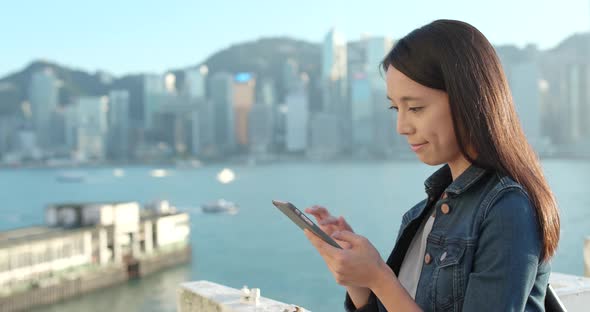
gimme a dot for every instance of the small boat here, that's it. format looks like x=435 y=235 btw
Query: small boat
x=118 y=172
x=220 y=206
x=159 y=173
x=226 y=176
x=71 y=177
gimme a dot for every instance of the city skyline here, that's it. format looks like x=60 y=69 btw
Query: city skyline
x=86 y=38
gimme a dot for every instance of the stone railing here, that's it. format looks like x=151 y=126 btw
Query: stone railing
x=204 y=296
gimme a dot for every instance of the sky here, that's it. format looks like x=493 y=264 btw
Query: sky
x=126 y=37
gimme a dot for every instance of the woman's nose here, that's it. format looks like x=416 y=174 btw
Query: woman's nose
x=403 y=126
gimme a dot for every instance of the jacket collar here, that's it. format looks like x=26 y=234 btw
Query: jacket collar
x=442 y=180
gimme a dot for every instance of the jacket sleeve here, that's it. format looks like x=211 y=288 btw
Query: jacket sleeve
x=371 y=306
x=506 y=257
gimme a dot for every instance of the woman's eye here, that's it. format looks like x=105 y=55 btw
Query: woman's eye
x=393 y=107
x=415 y=109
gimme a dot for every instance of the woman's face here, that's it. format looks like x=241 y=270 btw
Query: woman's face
x=424 y=117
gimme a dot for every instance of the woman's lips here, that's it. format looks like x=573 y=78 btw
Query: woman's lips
x=416 y=147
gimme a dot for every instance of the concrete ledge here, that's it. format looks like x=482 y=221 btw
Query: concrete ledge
x=572 y=290
x=204 y=296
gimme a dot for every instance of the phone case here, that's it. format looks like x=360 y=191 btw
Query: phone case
x=303 y=221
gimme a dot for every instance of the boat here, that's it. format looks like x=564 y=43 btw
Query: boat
x=159 y=173
x=71 y=177
x=220 y=206
x=226 y=176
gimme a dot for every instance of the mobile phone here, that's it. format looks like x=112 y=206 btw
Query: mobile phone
x=303 y=221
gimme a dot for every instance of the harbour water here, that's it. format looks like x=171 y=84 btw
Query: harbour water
x=259 y=246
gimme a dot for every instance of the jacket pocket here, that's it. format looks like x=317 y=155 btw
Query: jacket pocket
x=448 y=280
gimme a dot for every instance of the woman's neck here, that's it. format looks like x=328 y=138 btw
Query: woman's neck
x=458 y=166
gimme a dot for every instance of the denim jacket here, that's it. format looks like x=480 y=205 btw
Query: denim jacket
x=483 y=252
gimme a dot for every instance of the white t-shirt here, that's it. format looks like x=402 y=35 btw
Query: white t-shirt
x=411 y=268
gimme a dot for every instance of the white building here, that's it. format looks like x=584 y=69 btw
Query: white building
x=88 y=234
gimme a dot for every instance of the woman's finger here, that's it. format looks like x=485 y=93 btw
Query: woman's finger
x=343 y=224
x=343 y=244
x=320 y=211
x=329 y=221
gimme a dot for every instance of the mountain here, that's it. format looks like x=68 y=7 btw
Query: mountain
x=264 y=57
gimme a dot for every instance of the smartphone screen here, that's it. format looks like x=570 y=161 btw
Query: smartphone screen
x=303 y=221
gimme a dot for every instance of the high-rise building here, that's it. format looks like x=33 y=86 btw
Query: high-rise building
x=244 y=93
x=290 y=75
x=194 y=81
x=43 y=97
x=577 y=98
x=377 y=49
x=357 y=56
x=386 y=142
x=154 y=93
x=565 y=95
x=221 y=88
x=260 y=126
x=298 y=117
x=335 y=86
x=324 y=136
x=119 y=125
x=362 y=113
x=170 y=83
x=523 y=73
x=8 y=127
x=92 y=127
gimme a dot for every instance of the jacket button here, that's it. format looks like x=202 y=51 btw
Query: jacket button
x=445 y=208
x=427 y=258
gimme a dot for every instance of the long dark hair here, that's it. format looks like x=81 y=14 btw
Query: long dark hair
x=455 y=57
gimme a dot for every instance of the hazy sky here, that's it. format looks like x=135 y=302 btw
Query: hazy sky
x=152 y=36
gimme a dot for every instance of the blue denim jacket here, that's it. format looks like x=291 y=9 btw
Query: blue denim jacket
x=483 y=252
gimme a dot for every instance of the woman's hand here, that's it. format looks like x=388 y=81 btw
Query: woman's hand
x=328 y=223
x=359 y=265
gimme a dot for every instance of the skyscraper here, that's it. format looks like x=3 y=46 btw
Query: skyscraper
x=119 y=125
x=153 y=97
x=92 y=127
x=244 y=92
x=223 y=111
x=522 y=71
x=362 y=113
x=43 y=96
x=335 y=86
x=194 y=81
x=260 y=125
x=297 y=116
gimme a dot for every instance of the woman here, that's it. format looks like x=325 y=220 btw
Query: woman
x=483 y=238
